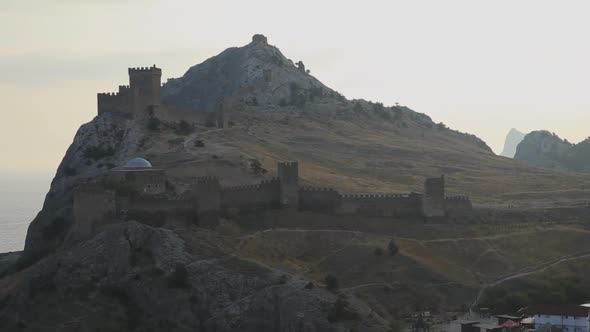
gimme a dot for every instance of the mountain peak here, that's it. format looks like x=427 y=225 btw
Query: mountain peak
x=256 y=72
x=513 y=138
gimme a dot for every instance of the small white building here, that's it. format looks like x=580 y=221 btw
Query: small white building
x=571 y=318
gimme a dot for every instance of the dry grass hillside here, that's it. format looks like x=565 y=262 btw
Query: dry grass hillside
x=364 y=155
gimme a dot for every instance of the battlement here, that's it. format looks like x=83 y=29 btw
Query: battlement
x=373 y=196
x=317 y=189
x=290 y=163
x=247 y=187
x=207 y=179
x=457 y=198
x=152 y=69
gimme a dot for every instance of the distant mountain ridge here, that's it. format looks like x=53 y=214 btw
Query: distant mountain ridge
x=546 y=149
x=513 y=138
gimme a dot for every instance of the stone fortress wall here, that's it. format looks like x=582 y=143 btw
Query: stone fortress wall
x=95 y=205
x=142 y=94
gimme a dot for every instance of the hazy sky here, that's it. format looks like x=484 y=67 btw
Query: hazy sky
x=478 y=66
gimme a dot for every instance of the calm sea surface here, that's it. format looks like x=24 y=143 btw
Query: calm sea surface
x=21 y=197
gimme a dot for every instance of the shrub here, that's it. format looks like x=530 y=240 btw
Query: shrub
x=393 y=249
x=283 y=279
x=256 y=167
x=179 y=278
x=331 y=282
x=340 y=311
x=184 y=128
x=154 y=124
x=357 y=107
x=378 y=252
x=309 y=285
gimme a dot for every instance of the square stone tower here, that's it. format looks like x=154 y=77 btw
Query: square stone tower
x=145 y=84
x=288 y=172
x=433 y=202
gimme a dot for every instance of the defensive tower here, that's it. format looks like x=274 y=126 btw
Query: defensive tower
x=143 y=92
x=288 y=172
x=146 y=85
x=433 y=202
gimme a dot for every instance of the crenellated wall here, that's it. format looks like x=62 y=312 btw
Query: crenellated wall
x=263 y=194
x=458 y=205
x=207 y=191
x=143 y=92
x=318 y=199
x=149 y=181
x=384 y=205
x=433 y=203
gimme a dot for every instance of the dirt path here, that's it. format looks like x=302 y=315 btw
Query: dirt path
x=530 y=270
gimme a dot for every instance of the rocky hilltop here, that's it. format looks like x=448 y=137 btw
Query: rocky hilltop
x=546 y=149
x=513 y=138
x=272 y=270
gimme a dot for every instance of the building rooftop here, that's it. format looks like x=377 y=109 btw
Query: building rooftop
x=556 y=310
x=138 y=163
x=486 y=326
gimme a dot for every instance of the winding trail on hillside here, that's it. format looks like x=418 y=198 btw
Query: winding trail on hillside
x=530 y=270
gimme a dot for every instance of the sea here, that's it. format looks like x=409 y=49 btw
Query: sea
x=21 y=198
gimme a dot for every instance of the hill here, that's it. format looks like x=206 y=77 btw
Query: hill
x=266 y=270
x=513 y=138
x=546 y=149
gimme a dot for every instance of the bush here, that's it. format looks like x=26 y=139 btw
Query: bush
x=331 y=282
x=357 y=107
x=154 y=124
x=179 y=278
x=283 y=279
x=309 y=285
x=183 y=128
x=341 y=312
x=393 y=249
x=256 y=167
x=378 y=252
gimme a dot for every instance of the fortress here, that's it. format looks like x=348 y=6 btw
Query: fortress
x=138 y=190
x=143 y=93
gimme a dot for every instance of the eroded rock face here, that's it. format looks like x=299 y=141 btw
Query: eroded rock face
x=135 y=277
x=105 y=142
x=542 y=148
x=513 y=138
x=257 y=73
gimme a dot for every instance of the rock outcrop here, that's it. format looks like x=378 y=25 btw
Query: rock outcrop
x=513 y=138
x=135 y=277
x=546 y=149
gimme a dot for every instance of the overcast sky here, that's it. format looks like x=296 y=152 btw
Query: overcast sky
x=478 y=66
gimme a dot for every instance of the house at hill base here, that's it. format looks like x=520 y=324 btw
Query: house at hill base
x=569 y=318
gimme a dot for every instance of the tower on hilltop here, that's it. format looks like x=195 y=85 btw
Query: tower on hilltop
x=142 y=93
x=146 y=86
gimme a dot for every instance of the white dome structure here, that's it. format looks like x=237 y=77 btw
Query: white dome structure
x=138 y=163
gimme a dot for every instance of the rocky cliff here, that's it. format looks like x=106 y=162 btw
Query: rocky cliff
x=546 y=149
x=513 y=138
x=131 y=275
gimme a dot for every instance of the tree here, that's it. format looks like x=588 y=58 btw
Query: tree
x=154 y=124
x=331 y=282
x=393 y=249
